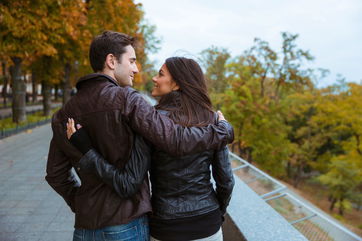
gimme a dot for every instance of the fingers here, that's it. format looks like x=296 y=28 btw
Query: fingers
x=70 y=127
x=220 y=115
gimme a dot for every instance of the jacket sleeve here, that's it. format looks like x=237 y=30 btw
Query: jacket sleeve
x=60 y=176
x=167 y=136
x=127 y=181
x=224 y=178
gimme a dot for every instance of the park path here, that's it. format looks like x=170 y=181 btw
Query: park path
x=29 y=209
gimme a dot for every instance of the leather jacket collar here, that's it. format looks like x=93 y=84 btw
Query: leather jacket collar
x=94 y=76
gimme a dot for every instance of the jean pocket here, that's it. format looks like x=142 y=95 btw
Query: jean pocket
x=78 y=235
x=122 y=235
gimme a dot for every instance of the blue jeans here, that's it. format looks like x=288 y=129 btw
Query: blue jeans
x=137 y=230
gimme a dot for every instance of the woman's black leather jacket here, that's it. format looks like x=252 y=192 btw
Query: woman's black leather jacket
x=182 y=187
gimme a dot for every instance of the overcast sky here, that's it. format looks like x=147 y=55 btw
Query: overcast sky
x=330 y=29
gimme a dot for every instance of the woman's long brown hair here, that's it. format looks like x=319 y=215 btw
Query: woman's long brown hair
x=191 y=104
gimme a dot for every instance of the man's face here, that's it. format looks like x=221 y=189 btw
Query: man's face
x=126 y=67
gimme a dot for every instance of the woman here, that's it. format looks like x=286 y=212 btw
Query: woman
x=185 y=204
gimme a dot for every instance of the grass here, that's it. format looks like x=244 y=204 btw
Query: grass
x=8 y=124
x=9 y=104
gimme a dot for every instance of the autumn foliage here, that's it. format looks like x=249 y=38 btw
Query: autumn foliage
x=50 y=40
x=285 y=124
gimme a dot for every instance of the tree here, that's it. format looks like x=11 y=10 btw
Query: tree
x=47 y=78
x=264 y=62
x=150 y=45
x=73 y=50
x=126 y=17
x=290 y=75
x=214 y=61
x=18 y=89
x=260 y=133
x=60 y=32
x=305 y=139
x=27 y=29
x=259 y=83
x=5 y=80
x=337 y=113
x=342 y=178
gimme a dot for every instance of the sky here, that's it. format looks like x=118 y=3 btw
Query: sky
x=330 y=29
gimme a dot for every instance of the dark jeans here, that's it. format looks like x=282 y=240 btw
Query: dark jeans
x=137 y=230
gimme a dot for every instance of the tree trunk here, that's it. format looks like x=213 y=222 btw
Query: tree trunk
x=297 y=174
x=333 y=202
x=240 y=150
x=66 y=83
x=341 y=206
x=27 y=97
x=18 y=87
x=246 y=153
x=289 y=170
x=296 y=180
x=358 y=144
x=56 y=92
x=234 y=145
x=4 y=91
x=47 y=97
x=34 y=86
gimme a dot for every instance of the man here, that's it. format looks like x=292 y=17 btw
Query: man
x=110 y=111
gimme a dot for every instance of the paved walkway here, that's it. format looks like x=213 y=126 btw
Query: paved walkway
x=29 y=209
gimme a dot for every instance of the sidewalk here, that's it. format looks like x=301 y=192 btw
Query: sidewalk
x=29 y=209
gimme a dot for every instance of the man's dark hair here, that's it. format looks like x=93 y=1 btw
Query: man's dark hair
x=109 y=42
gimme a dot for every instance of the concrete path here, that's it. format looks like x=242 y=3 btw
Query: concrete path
x=29 y=209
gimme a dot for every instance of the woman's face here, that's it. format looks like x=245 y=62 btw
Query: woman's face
x=163 y=83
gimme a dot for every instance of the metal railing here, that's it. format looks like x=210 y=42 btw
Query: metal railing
x=311 y=222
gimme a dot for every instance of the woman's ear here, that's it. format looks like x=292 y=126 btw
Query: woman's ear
x=176 y=87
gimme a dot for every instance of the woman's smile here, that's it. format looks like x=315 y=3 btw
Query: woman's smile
x=163 y=83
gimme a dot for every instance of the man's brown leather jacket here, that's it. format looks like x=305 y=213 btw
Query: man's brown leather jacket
x=111 y=114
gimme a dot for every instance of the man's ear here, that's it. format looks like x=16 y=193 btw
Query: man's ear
x=110 y=61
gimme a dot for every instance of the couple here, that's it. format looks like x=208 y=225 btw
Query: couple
x=123 y=137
